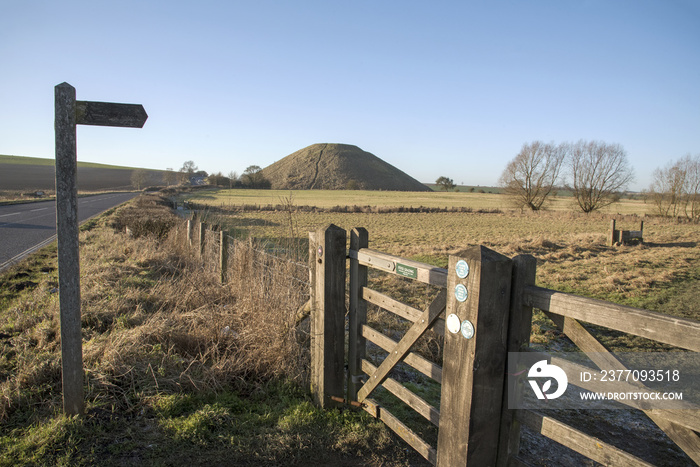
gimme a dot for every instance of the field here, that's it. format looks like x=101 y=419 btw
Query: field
x=490 y=199
x=662 y=274
x=32 y=173
x=181 y=370
x=570 y=246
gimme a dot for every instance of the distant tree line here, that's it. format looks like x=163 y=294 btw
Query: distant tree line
x=594 y=171
x=252 y=177
x=675 y=188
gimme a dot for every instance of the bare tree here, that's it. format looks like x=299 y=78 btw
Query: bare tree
x=138 y=178
x=693 y=186
x=529 y=179
x=675 y=189
x=169 y=176
x=666 y=190
x=599 y=171
x=232 y=178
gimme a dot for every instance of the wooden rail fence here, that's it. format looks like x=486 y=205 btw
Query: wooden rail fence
x=484 y=310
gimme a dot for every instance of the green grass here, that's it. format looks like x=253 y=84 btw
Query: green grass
x=276 y=425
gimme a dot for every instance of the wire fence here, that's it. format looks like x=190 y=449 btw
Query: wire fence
x=251 y=259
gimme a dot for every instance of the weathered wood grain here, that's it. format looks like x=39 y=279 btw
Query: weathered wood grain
x=398 y=427
x=425 y=366
x=400 y=309
x=425 y=273
x=68 y=251
x=474 y=369
x=328 y=316
x=685 y=438
x=589 y=446
x=110 y=114
x=403 y=347
x=409 y=398
x=679 y=332
x=519 y=329
x=357 y=312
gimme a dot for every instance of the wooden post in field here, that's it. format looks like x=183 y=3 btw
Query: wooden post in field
x=223 y=255
x=328 y=316
x=202 y=236
x=357 y=314
x=70 y=112
x=519 y=329
x=474 y=362
x=189 y=232
x=611 y=236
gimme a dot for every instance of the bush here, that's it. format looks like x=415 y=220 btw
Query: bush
x=149 y=215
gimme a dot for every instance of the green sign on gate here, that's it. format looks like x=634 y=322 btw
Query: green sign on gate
x=406 y=271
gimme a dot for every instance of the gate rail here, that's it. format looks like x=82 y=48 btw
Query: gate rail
x=484 y=311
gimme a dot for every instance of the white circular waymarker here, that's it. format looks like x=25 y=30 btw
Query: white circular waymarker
x=467 y=329
x=453 y=323
x=462 y=269
x=461 y=293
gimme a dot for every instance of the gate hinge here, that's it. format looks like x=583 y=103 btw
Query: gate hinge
x=359 y=405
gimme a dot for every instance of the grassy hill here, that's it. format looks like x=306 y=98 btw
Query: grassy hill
x=33 y=173
x=338 y=167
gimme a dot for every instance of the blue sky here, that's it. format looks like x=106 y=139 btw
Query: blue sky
x=434 y=88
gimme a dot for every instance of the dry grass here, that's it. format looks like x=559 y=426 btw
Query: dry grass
x=154 y=319
x=179 y=368
x=159 y=327
x=660 y=275
x=488 y=199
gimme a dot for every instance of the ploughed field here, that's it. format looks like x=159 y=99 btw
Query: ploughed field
x=19 y=173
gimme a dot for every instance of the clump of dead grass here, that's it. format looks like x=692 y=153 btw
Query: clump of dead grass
x=156 y=319
x=146 y=216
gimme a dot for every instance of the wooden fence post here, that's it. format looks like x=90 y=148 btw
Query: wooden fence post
x=202 y=236
x=611 y=236
x=519 y=329
x=223 y=255
x=474 y=362
x=189 y=232
x=357 y=314
x=328 y=316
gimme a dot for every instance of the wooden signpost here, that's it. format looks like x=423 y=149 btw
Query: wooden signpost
x=69 y=113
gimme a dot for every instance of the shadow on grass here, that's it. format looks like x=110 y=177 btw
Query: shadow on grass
x=671 y=245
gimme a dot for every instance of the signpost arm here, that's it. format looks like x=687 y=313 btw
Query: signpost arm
x=68 y=260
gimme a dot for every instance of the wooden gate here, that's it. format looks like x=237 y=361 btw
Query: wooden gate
x=483 y=310
x=471 y=311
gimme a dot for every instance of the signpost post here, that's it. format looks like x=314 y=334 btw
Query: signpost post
x=68 y=113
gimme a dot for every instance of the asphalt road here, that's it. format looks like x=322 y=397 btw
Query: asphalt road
x=24 y=228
